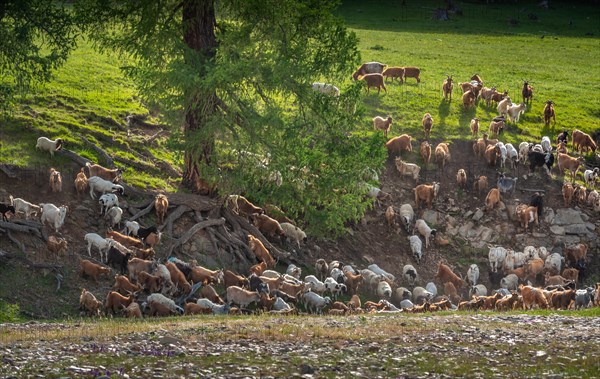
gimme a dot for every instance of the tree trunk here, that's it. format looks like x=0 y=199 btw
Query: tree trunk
x=199 y=35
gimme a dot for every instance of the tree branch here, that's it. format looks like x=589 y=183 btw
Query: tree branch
x=174 y=243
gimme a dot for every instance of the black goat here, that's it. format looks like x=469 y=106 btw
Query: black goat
x=536 y=159
x=117 y=259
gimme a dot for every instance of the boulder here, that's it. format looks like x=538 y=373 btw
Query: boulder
x=567 y=216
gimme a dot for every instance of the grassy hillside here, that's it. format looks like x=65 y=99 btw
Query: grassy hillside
x=553 y=53
x=90 y=97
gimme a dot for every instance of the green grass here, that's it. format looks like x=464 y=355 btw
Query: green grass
x=562 y=66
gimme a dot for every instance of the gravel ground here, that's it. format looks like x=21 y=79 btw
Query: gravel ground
x=357 y=346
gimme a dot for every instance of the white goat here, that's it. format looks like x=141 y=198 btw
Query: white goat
x=53 y=215
x=333 y=287
x=425 y=231
x=217 y=309
x=546 y=144
x=47 y=144
x=590 y=177
x=503 y=106
x=512 y=155
x=103 y=244
x=315 y=302
x=293 y=232
x=410 y=274
x=503 y=153
x=473 y=274
x=524 y=148
x=131 y=228
x=515 y=111
x=378 y=270
x=98 y=184
x=25 y=207
x=315 y=284
x=164 y=301
x=384 y=290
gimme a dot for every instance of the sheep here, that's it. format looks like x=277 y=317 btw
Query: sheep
x=382 y=124
x=546 y=144
x=326 y=88
x=396 y=145
x=315 y=303
x=56 y=245
x=426 y=193
x=55 y=180
x=260 y=251
x=53 y=215
x=549 y=112
x=267 y=226
x=425 y=231
x=47 y=144
x=104 y=173
x=91 y=269
x=369 y=68
x=412 y=72
x=115 y=301
x=427 y=123
x=553 y=263
x=98 y=184
x=384 y=290
x=241 y=297
x=294 y=233
x=473 y=275
x=515 y=111
x=333 y=287
x=442 y=155
x=89 y=303
x=409 y=273
x=408 y=169
x=374 y=80
x=474 y=126
x=161 y=204
x=527 y=92
x=447 y=87
x=461 y=178
x=240 y=205
x=416 y=247
x=25 y=207
x=425 y=152
x=589 y=176
x=394 y=72
x=123 y=285
x=478 y=290
x=481 y=184
x=161 y=305
x=81 y=182
x=293 y=271
x=492 y=198
x=503 y=106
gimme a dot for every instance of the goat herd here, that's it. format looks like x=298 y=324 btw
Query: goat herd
x=178 y=287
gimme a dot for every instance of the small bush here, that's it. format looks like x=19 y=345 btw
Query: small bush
x=9 y=312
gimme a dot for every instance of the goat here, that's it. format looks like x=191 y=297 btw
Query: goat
x=241 y=297
x=468 y=99
x=98 y=184
x=260 y=251
x=442 y=155
x=409 y=169
x=398 y=144
x=25 y=207
x=91 y=269
x=123 y=285
x=81 y=182
x=427 y=123
x=425 y=231
x=326 y=88
x=549 y=112
x=294 y=233
x=566 y=162
x=89 y=303
x=374 y=80
x=104 y=173
x=527 y=92
x=125 y=240
x=492 y=198
x=369 y=68
x=503 y=106
x=382 y=124
x=474 y=126
x=481 y=184
x=49 y=145
x=116 y=302
x=461 y=178
x=240 y=205
x=425 y=152
x=447 y=87
x=267 y=225
x=161 y=204
x=412 y=72
x=55 y=180
x=426 y=193
x=52 y=214
x=394 y=72
x=416 y=246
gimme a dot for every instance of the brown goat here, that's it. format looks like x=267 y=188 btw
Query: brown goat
x=260 y=251
x=374 y=80
x=123 y=239
x=116 y=302
x=81 y=182
x=91 y=269
x=426 y=193
x=445 y=274
x=161 y=205
x=397 y=145
x=111 y=175
x=474 y=126
x=267 y=225
x=447 y=87
x=425 y=152
x=412 y=72
x=394 y=72
x=124 y=286
x=427 y=123
x=89 y=303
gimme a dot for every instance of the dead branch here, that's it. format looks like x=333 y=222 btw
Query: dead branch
x=74 y=157
x=7 y=255
x=109 y=161
x=174 y=243
x=16 y=241
x=143 y=212
x=21 y=228
x=173 y=216
x=531 y=190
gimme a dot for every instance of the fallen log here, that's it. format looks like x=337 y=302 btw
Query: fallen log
x=21 y=228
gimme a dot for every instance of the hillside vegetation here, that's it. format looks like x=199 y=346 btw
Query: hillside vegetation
x=91 y=98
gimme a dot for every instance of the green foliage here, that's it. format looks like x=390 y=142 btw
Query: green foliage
x=254 y=98
x=36 y=37
x=9 y=312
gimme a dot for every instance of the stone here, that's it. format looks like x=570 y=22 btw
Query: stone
x=567 y=216
x=559 y=230
x=432 y=217
x=579 y=229
x=468 y=214
x=478 y=214
x=464 y=229
x=486 y=234
x=590 y=226
x=548 y=215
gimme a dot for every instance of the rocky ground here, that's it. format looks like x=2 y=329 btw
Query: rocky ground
x=372 y=346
